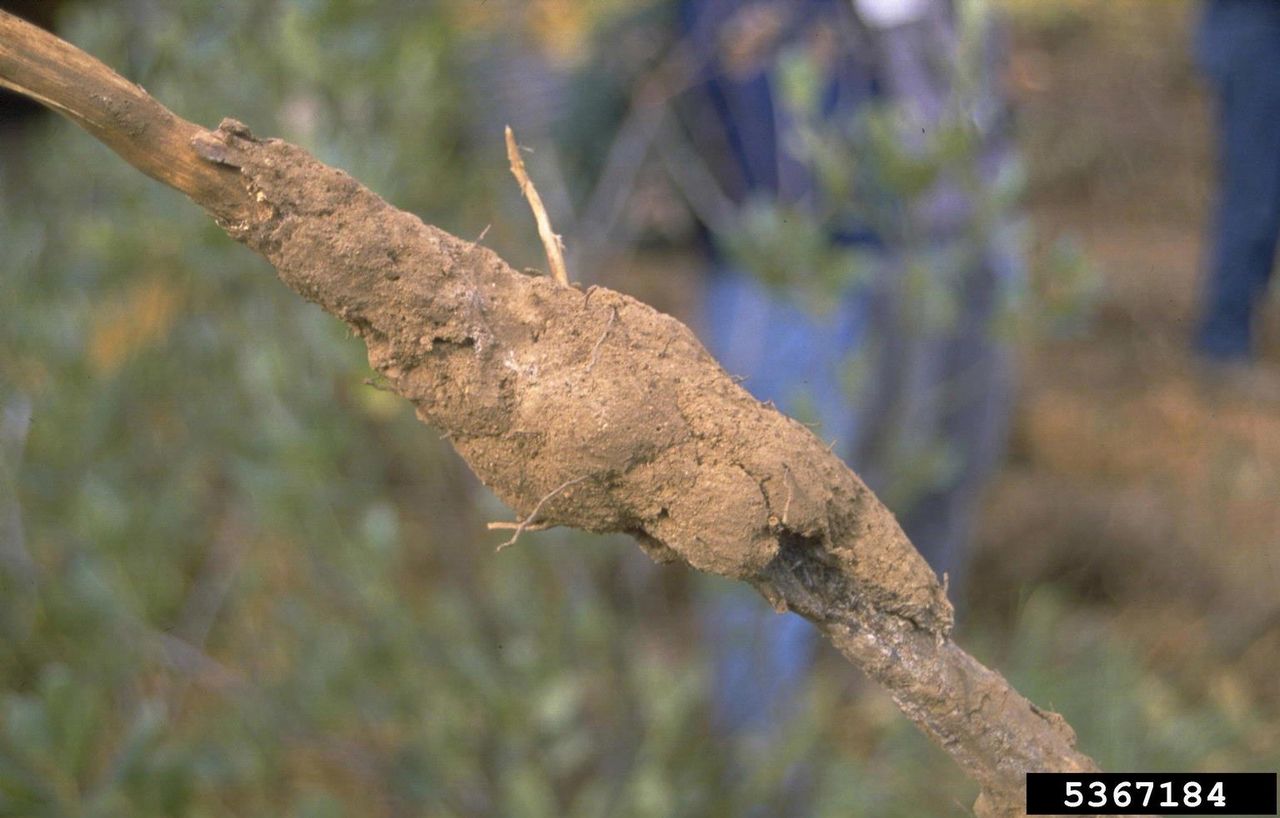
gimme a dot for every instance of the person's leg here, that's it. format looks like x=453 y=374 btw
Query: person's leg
x=1247 y=220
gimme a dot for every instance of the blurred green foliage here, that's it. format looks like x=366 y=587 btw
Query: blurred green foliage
x=924 y=185
x=873 y=175
x=240 y=582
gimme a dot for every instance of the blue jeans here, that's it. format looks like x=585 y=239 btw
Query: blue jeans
x=1239 y=51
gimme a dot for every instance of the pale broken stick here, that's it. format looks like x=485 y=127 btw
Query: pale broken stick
x=551 y=242
x=659 y=441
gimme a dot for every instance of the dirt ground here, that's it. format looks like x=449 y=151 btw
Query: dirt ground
x=1133 y=479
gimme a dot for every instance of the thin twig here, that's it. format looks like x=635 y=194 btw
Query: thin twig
x=551 y=242
x=524 y=524
x=507 y=525
x=676 y=70
x=595 y=350
x=688 y=171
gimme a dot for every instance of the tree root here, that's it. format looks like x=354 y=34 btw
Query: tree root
x=652 y=435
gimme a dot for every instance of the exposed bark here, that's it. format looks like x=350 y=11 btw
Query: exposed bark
x=586 y=409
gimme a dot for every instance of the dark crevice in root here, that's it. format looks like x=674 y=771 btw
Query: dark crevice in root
x=802 y=576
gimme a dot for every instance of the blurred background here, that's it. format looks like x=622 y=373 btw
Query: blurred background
x=237 y=578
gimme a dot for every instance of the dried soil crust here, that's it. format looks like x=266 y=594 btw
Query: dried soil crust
x=592 y=408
